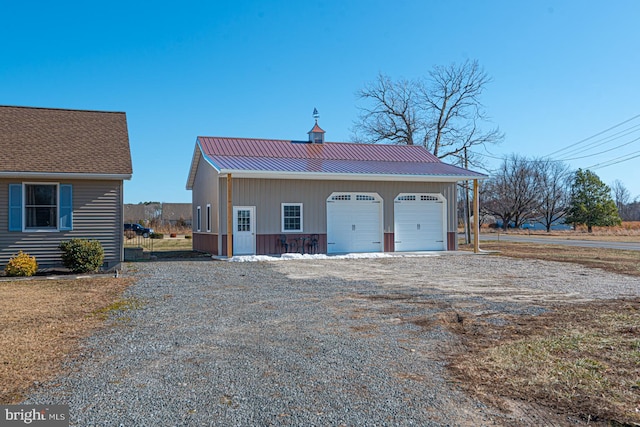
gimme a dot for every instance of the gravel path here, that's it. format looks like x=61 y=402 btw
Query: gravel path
x=303 y=343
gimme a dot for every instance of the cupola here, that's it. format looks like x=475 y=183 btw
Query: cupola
x=316 y=135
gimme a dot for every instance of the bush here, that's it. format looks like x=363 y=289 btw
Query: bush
x=188 y=236
x=156 y=236
x=22 y=265
x=82 y=256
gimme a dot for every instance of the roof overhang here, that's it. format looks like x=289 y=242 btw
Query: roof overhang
x=235 y=173
x=199 y=155
x=195 y=161
x=66 y=175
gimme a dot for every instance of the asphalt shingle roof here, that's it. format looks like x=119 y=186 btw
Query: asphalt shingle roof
x=45 y=140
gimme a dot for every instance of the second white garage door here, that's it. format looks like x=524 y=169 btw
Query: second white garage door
x=419 y=222
x=354 y=223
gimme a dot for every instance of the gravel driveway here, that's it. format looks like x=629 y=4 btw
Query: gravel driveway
x=304 y=342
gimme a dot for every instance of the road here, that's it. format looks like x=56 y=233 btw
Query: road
x=631 y=246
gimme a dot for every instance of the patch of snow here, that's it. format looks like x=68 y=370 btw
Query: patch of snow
x=295 y=256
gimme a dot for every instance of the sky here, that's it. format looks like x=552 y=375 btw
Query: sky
x=564 y=73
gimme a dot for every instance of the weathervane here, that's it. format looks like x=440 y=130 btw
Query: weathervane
x=315 y=114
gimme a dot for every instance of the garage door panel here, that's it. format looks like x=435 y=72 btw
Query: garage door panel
x=354 y=223
x=419 y=223
x=339 y=229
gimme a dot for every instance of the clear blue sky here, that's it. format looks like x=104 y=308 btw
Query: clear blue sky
x=562 y=70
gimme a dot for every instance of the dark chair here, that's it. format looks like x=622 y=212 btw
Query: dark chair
x=313 y=243
x=282 y=239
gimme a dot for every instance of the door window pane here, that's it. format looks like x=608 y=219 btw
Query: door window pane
x=244 y=220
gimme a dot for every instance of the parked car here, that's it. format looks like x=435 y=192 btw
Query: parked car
x=138 y=229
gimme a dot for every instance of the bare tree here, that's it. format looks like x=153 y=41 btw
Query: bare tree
x=393 y=114
x=512 y=192
x=451 y=103
x=554 y=179
x=441 y=112
x=633 y=210
x=621 y=196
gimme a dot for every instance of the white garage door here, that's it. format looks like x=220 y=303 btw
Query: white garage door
x=419 y=222
x=354 y=223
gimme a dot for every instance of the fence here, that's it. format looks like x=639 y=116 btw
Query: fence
x=137 y=241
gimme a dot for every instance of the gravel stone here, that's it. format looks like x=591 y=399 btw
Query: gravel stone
x=304 y=342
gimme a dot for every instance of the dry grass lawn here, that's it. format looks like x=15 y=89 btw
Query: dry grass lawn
x=578 y=359
x=179 y=243
x=582 y=360
x=613 y=260
x=41 y=321
x=629 y=231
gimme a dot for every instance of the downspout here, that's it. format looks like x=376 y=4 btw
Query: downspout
x=121 y=240
x=476 y=218
x=229 y=218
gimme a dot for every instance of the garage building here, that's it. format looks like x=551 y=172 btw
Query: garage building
x=314 y=196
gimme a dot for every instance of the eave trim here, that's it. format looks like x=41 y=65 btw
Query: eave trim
x=65 y=175
x=347 y=176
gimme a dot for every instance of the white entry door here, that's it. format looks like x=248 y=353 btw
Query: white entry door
x=244 y=235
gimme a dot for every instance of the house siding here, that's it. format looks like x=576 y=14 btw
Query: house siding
x=268 y=194
x=205 y=191
x=97 y=214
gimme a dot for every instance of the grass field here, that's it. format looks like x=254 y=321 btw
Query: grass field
x=41 y=321
x=629 y=231
x=613 y=260
x=178 y=243
x=580 y=359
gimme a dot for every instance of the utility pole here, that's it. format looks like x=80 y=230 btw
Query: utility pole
x=467 y=214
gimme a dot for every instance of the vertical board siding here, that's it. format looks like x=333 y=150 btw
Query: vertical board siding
x=268 y=194
x=204 y=192
x=205 y=242
x=97 y=214
x=452 y=241
x=389 y=242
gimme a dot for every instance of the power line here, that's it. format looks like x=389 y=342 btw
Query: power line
x=593 y=136
x=615 y=161
x=489 y=156
x=605 y=140
x=601 y=152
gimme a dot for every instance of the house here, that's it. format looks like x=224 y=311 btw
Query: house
x=61 y=177
x=142 y=213
x=158 y=214
x=325 y=197
x=176 y=214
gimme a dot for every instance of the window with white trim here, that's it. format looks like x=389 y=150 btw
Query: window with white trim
x=292 y=217
x=40 y=206
x=198 y=218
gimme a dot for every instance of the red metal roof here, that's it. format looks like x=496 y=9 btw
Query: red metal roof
x=316 y=129
x=284 y=149
x=268 y=155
